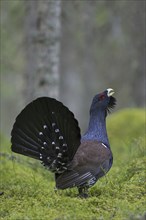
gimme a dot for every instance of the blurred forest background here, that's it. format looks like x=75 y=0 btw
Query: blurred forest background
x=71 y=50
x=94 y=45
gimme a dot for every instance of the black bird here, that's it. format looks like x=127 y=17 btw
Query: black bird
x=47 y=130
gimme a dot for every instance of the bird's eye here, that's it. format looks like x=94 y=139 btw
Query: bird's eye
x=101 y=97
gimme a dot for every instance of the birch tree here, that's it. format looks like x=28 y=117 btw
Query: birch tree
x=42 y=48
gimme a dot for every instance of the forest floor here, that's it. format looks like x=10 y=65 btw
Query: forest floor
x=27 y=189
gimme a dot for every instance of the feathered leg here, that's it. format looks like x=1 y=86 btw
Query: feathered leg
x=83 y=192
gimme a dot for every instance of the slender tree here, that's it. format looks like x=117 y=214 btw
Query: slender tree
x=42 y=48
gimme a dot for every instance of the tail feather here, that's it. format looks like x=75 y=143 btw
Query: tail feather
x=25 y=151
x=30 y=139
x=46 y=130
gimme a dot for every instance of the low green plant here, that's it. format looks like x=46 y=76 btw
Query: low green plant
x=27 y=189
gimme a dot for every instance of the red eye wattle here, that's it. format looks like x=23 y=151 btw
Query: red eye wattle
x=101 y=97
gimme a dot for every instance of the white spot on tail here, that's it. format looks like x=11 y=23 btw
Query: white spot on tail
x=57 y=130
x=53 y=143
x=61 y=163
x=41 y=156
x=53 y=124
x=45 y=126
x=40 y=133
x=44 y=143
x=60 y=137
x=59 y=155
x=54 y=161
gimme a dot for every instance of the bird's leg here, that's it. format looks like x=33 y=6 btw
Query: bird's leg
x=83 y=191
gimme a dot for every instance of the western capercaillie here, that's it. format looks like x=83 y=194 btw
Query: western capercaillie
x=48 y=131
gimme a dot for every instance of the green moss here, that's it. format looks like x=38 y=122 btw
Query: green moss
x=29 y=188
x=126 y=131
x=126 y=125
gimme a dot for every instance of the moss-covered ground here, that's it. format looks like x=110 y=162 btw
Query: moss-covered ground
x=27 y=189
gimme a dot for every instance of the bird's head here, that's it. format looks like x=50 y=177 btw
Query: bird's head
x=103 y=101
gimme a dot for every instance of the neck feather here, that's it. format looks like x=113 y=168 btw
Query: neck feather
x=97 y=128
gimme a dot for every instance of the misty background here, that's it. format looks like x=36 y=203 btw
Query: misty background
x=71 y=50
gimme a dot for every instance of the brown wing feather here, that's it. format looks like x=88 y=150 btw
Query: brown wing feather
x=86 y=164
x=91 y=152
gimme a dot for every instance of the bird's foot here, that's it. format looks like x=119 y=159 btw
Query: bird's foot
x=83 y=192
x=83 y=195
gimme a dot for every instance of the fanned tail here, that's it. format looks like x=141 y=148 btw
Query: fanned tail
x=46 y=130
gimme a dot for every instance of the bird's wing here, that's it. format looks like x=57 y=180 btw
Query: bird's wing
x=72 y=178
x=91 y=160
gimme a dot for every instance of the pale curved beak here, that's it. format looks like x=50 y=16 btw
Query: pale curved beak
x=110 y=92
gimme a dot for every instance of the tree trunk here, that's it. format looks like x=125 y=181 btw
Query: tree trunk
x=42 y=48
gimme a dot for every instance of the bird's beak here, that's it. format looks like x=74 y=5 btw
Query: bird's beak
x=110 y=92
